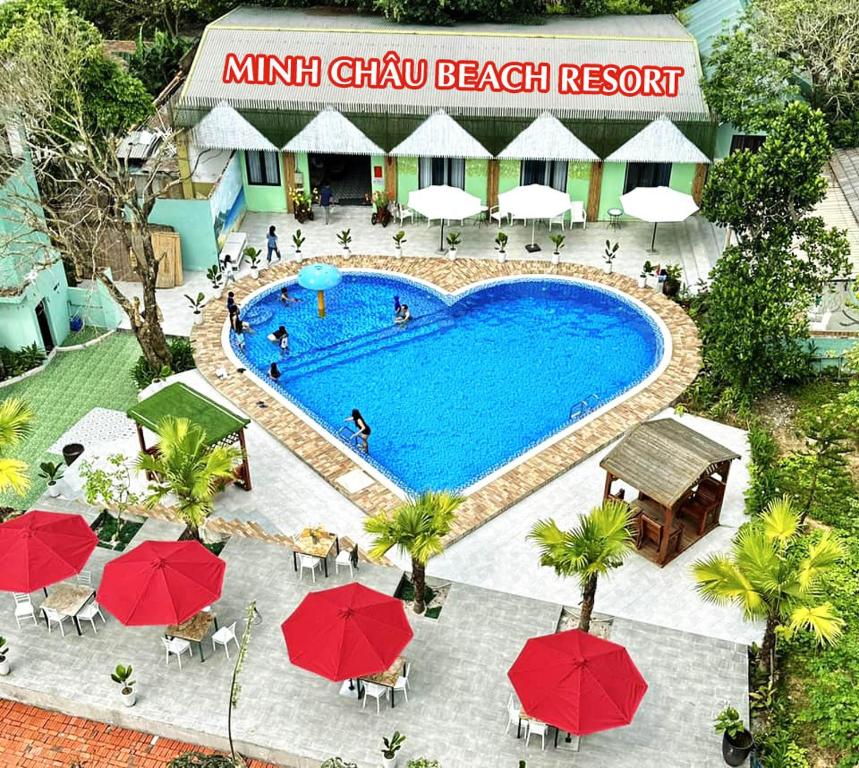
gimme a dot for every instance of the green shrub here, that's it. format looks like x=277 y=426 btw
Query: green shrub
x=763 y=470
x=200 y=760
x=183 y=360
x=15 y=362
x=155 y=63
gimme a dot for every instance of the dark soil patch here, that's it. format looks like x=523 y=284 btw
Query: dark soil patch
x=108 y=528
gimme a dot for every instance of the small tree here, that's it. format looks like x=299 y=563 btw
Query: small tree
x=188 y=469
x=770 y=577
x=111 y=488
x=15 y=424
x=416 y=529
x=599 y=543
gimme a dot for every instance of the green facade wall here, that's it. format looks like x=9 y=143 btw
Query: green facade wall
x=579 y=181
x=263 y=198
x=476 y=172
x=682 y=177
x=613 y=179
x=18 y=324
x=302 y=166
x=509 y=173
x=377 y=185
x=94 y=306
x=192 y=220
x=407 y=178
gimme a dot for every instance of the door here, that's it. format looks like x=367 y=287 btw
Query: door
x=168 y=249
x=44 y=326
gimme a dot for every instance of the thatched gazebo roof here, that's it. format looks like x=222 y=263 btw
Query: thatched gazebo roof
x=664 y=459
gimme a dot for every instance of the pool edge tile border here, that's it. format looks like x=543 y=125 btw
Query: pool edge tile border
x=521 y=479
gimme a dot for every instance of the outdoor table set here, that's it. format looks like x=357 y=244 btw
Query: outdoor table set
x=194 y=630
x=317 y=543
x=387 y=679
x=67 y=600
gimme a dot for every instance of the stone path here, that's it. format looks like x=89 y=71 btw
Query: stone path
x=332 y=462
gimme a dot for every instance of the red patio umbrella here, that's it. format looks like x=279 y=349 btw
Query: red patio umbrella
x=346 y=632
x=577 y=682
x=161 y=582
x=41 y=548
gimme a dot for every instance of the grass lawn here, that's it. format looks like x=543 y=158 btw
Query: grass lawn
x=70 y=387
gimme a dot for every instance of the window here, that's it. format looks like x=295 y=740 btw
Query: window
x=441 y=170
x=647 y=175
x=742 y=141
x=552 y=173
x=263 y=168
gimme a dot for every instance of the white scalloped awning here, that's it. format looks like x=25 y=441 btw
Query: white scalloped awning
x=440 y=136
x=331 y=133
x=547 y=138
x=659 y=142
x=224 y=128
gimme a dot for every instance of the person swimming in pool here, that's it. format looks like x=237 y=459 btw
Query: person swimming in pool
x=284 y=344
x=278 y=335
x=362 y=429
x=403 y=315
x=285 y=298
x=274 y=372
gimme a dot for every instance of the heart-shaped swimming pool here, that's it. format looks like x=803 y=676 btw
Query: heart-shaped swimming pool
x=469 y=384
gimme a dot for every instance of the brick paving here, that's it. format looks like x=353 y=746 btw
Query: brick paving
x=331 y=462
x=37 y=738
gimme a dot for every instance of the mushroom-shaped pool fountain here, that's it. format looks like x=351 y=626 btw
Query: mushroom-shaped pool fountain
x=319 y=278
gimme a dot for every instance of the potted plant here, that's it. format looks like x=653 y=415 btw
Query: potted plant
x=302 y=205
x=646 y=271
x=399 y=239
x=558 y=242
x=610 y=255
x=737 y=741
x=422 y=762
x=345 y=239
x=297 y=241
x=122 y=677
x=501 y=245
x=51 y=471
x=390 y=748
x=453 y=240
x=196 y=304
x=253 y=256
x=214 y=275
x=671 y=285
x=4 y=662
x=382 y=213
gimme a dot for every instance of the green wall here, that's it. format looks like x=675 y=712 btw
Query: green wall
x=377 y=184
x=475 y=178
x=682 y=177
x=613 y=178
x=192 y=220
x=302 y=166
x=94 y=307
x=579 y=181
x=18 y=324
x=509 y=173
x=407 y=178
x=263 y=198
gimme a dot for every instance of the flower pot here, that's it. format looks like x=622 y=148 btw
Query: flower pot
x=298 y=253
x=642 y=281
x=5 y=667
x=736 y=750
x=346 y=253
x=389 y=762
x=451 y=253
x=218 y=292
x=255 y=273
x=556 y=257
x=72 y=452
x=399 y=251
x=671 y=287
x=197 y=318
x=53 y=490
x=502 y=256
x=609 y=268
x=129 y=698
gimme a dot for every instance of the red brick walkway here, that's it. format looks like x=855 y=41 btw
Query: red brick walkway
x=37 y=738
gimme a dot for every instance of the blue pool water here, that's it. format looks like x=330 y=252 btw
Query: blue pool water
x=469 y=384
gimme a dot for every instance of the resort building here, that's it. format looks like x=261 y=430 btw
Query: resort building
x=280 y=99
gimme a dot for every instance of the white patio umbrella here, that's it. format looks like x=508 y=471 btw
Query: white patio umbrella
x=443 y=202
x=534 y=201
x=657 y=205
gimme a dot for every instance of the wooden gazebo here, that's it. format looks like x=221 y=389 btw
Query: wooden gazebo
x=222 y=427
x=680 y=476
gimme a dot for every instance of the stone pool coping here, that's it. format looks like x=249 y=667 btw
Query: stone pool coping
x=331 y=462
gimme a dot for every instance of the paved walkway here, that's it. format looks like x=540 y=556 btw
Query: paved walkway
x=38 y=738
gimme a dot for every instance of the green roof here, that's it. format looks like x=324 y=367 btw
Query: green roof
x=707 y=19
x=182 y=402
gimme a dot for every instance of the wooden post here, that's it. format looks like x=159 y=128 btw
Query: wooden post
x=698 y=182
x=594 y=192
x=609 y=479
x=246 y=469
x=493 y=173
x=288 y=177
x=183 y=161
x=668 y=525
x=391 y=177
x=723 y=470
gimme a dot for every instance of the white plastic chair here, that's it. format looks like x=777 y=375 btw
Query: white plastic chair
x=378 y=692
x=513 y=714
x=558 y=220
x=536 y=728
x=223 y=637
x=55 y=618
x=24 y=608
x=310 y=563
x=177 y=647
x=89 y=612
x=496 y=214
x=344 y=560
x=402 y=683
x=577 y=214
x=405 y=213
x=84 y=578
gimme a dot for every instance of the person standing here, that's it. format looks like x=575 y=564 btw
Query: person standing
x=325 y=196
x=229 y=270
x=271 y=243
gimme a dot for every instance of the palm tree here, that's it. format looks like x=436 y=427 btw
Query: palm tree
x=599 y=543
x=15 y=425
x=186 y=467
x=415 y=528
x=770 y=578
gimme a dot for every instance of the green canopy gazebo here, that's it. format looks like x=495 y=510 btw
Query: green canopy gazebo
x=222 y=427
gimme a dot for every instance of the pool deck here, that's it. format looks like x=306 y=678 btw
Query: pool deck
x=331 y=462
